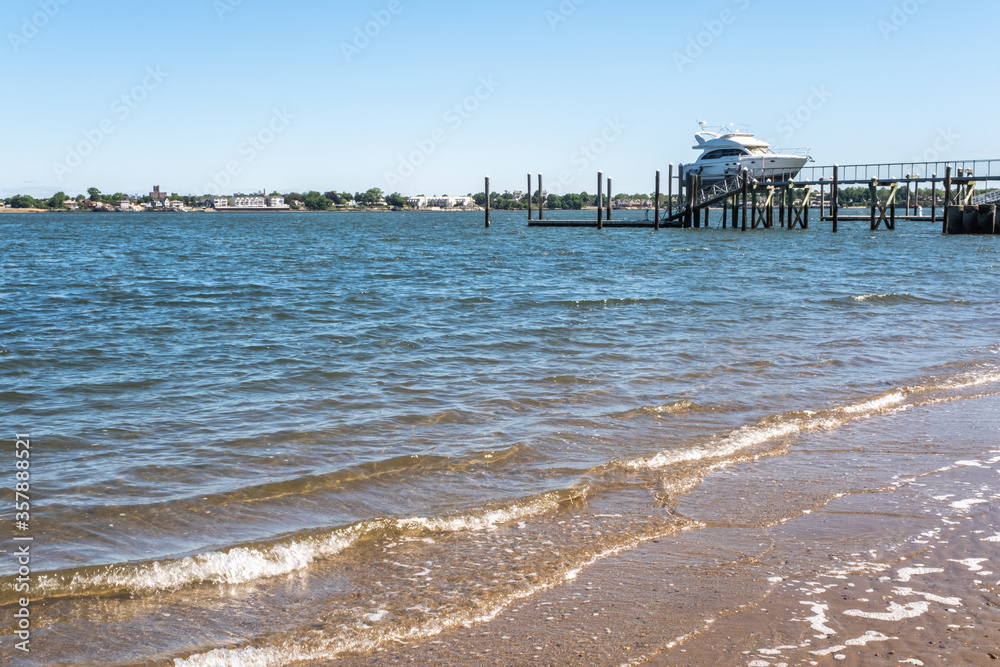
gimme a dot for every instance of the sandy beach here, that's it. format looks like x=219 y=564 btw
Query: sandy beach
x=899 y=573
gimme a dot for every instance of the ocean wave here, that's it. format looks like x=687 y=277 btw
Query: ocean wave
x=774 y=428
x=247 y=563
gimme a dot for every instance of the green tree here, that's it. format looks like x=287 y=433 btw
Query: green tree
x=94 y=194
x=23 y=201
x=369 y=198
x=554 y=201
x=574 y=202
x=314 y=201
x=396 y=200
x=57 y=200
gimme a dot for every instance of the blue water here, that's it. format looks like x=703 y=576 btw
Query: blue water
x=234 y=398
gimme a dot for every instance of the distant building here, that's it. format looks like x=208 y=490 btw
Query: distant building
x=156 y=195
x=71 y=205
x=219 y=202
x=175 y=204
x=126 y=206
x=252 y=201
x=417 y=202
x=447 y=202
x=274 y=201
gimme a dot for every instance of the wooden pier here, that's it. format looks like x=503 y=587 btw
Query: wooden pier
x=758 y=200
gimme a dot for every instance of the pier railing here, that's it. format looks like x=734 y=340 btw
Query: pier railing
x=901 y=171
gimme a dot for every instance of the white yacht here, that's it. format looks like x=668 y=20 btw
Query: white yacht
x=729 y=151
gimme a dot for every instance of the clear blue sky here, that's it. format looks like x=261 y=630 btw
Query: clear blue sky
x=885 y=80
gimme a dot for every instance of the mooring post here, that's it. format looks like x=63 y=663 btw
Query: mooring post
x=531 y=205
x=725 y=211
x=541 y=198
x=835 y=196
x=609 y=199
x=487 y=202
x=695 y=211
x=600 y=200
x=873 y=193
x=781 y=214
x=670 y=191
x=656 y=225
x=745 y=192
x=947 y=197
x=908 y=177
x=934 y=197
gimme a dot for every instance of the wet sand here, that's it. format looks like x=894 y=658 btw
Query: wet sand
x=874 y=544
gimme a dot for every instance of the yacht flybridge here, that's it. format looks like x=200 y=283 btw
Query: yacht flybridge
x=730 y=150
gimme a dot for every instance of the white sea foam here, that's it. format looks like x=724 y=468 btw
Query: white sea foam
x=819 y=620
x=906 y=573
x=895 y=612
x=236 y=566
x=972 y=563
x=968 y=504
x=930 y=597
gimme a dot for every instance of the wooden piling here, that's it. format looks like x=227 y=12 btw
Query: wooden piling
x=541 y=198
x=744 y=193
x=695 y=211
x=487 y=202
x=835 y=196
x=670 y=191
x=873 y=193
x=947 y=198
x=609 y=199
x=656 y=225
x=600 y=200
x=531 y=206
x=934 y=197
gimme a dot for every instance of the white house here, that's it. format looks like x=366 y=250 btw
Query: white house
x=220 y=202
x=253 y=201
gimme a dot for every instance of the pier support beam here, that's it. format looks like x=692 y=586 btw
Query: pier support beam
x=656 y=225
x=487 y=202
x=609 y=199
x=670 y=191
x=835 y=196
x=743 y=193
x=541 y=198
x=947 y=198
x=600 y=200
x=530 y=205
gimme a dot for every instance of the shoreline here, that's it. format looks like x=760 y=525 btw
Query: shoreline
x=900 y=572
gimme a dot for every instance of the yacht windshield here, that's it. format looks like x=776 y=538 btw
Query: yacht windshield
x=719 y=154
